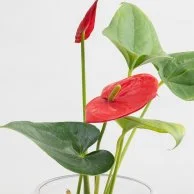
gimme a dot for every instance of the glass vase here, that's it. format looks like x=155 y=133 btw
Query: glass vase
x=124 y=185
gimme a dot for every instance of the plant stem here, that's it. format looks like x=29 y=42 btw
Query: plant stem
x=111 y=98
x=79 y=185
x=117 y=162
x=109 y=178
x=97 y=178
x=110 y=175
x=132 y=134
x=86 y=185
x=130 y=72
x=135 y=129
x=101 y=135
x=83 y=69
x=97 y=184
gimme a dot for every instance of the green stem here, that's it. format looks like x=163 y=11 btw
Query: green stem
x=110 y=175
x=135 y=129
x=79 y=185
x=86 y=185
x=130 y=72
x=111 y=98
x=101 y=135
x=97 y=184
x=108 y=180
x=97 y=178
x=83 y=69
x=117 y=162
x=132 y=134
x=107 y=187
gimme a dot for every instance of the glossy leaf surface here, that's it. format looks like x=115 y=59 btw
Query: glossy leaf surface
x=178 y=74
x=134 y=35
x=67 y=142
x=177 y=131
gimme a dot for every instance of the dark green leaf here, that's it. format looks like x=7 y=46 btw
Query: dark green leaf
x=67 y=142
x=178 y=74
x=134 y=35
x=176 y=130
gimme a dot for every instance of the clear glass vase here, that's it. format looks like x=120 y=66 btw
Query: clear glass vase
x=124 y=185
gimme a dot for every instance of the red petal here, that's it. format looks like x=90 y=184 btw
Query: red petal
x=135 y=93
x=87 y=24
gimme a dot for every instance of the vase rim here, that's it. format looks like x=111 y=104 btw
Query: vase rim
x=37 y=191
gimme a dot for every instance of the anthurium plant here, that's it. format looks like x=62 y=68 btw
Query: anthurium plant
x=68 y=142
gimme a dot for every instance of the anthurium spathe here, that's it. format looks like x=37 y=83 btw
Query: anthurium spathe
x=87 y=24
x=130 y=95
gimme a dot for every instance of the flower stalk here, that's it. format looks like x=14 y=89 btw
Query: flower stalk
x=83 y=69
x=135 y=129
x=117 y=162
x=111 y=98
x=79 y=184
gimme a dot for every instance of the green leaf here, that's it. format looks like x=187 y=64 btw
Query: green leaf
x=67 y=143
x=178 y=74
x=144 y=59
x=134 y=35
x=176 y=130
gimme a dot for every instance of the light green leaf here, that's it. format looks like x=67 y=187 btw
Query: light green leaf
x=134 y=35
x=178 y=74
x=176 y=130
x=67 y=142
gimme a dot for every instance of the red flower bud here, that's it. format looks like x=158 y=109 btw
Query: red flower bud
x=87 y=24
x=134 y=93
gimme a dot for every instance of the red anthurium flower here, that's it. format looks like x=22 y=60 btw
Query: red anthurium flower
x=122 y=98
x=87 y=24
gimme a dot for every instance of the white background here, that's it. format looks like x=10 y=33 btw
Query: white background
x=40 y=81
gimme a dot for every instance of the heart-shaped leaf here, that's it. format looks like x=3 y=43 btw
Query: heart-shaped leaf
x=178 y=74
x=67 y=142
x=134 y=35
x=176 y=130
